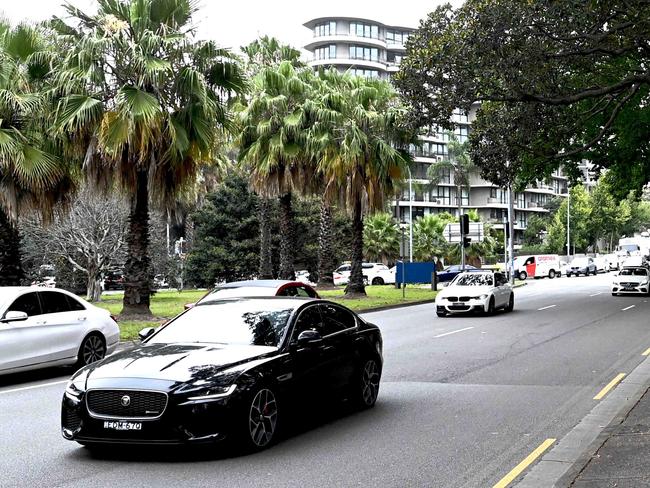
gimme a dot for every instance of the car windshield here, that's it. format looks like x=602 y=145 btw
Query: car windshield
x=474 y=279
x=241 y=322
x=634 y=272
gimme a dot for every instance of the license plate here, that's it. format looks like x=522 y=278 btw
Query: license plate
x=122 y=425
x=628 y=288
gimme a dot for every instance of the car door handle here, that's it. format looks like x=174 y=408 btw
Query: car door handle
x=41 y=322
x=81 y=319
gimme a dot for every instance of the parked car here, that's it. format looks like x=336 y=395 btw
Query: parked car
x=602 y=264
x=582 y=266
x=215 y=372
x=303 y=276
x=45 y=282
x=452 y=271
x=259 y=288
x=476 y=291
x=41 y=328
x=632 y=280
x=373 y=274
x=113 y=281
x=160 y=281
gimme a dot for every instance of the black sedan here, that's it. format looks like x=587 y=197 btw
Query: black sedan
x=225 y=369
x=452 y=271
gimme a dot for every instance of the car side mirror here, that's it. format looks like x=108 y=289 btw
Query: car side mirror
x=14 y=317
x=145 y=333
x=309 y=338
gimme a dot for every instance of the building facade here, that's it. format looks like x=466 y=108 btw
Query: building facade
x=369 y=48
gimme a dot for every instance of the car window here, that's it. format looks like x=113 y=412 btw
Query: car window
x=53 y=302
x=309 y=319
x=303 y=291
x=474 y=279
x=27 y=303
x=341 y=269
x=367 y=265
x=75 y=305
x=530 y=260
x=336 y=319
x=500 y=279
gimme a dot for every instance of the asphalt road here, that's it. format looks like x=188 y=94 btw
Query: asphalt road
x=463 y=400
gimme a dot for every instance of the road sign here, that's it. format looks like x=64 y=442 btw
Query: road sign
x=452 y=234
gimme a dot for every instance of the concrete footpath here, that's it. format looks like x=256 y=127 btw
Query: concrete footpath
x=623 y=460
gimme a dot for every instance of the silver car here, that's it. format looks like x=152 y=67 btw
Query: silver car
x=582 y=266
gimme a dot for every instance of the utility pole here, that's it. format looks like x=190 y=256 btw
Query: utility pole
x=568 y=227
x=511 y=222
x=410 y=216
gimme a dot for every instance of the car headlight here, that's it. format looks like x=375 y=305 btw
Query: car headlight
x=76 y=387
x=211 y=394
x=480 y=297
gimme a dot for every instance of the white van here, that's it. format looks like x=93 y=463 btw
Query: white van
x=538 y=266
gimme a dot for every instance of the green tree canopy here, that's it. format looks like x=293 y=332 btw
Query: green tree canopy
x=381 y=238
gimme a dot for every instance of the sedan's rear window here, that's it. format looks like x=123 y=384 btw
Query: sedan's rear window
x=241 y=322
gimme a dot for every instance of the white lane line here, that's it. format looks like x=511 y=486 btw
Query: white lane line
x=627 y=308
x=596 y=294
x=544 y=308
x=452 y=332
x=32 y=387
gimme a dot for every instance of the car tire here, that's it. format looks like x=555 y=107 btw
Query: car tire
x=92 y=349
x=365 y=385
x=490 y=310
x=523 y=275
x=568 y=275
x=551 y=274
x=259 y=422
x=511 y=303
x=378 y=281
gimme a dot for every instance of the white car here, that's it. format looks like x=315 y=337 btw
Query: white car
x=632 y=280
x=373 y=274
x=476 y=291
x=41 y=328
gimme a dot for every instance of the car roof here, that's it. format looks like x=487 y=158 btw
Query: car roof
x=293 y=302
x=258 y=283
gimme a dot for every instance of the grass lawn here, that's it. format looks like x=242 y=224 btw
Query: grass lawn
x=167 y=304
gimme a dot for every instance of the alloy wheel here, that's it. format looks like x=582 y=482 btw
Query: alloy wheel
x=93 y=349
x=263 y=417
x=370 y=382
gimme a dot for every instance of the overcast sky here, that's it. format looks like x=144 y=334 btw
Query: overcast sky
x=236 y=23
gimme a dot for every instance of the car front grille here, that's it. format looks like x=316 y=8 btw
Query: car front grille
x=459 y=307
x=629 y=285
x=452 y=299
x=126 y=404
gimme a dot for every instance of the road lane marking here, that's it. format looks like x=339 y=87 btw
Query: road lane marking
x=596 y=294
x=544 y=308
x=609 y=386
x=32 y=387
x=627 y=308
x=452 y=332
x=509 y=478
x=646 y=352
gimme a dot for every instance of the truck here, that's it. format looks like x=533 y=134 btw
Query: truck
x=537 y=266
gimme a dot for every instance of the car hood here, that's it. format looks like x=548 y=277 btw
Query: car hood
x=176 y=362
x=471 y=291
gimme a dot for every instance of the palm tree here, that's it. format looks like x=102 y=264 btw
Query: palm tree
x=263 y=53
x=32 y=175
x=428 y=240
x=458 y=163
x=381 y=238
x=360 y=135
x=145 y=103
x=274 y=144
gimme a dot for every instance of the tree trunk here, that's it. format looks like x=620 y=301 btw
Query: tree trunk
x=137 y=272
x=326 y=255
x=355 y=285
x=265 y=270
x=11 y=270
x=286 y=238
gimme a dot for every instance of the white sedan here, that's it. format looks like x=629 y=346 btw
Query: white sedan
x=476 y=291
x=44 y=327
x=632 y=280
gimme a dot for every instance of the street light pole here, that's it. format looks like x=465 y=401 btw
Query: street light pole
x=568 y=227
x=410 y=216
x=511 y=241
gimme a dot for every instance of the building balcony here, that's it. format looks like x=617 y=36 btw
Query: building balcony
x=348 y=62
x=347 y=39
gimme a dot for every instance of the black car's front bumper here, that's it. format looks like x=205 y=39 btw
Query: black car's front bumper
x=179 y=424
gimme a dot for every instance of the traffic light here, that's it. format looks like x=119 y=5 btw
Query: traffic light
x=467 y=241
x=506 y=229
x=464 y=224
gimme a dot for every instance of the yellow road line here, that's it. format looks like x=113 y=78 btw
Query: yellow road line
x=646 y=352
x=609 y=386
x=509 y=478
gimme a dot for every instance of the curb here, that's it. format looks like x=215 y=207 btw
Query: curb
x=563 y=463
x=397 y=305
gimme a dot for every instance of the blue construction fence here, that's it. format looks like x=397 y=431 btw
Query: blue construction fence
x=412 y=273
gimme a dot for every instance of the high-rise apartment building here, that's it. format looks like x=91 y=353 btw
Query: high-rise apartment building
x=365 y=47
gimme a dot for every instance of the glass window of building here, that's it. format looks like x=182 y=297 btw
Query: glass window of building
x=521 y=200
x=366 y=53
x=365 y=73
x=464 y=197
x=442 y=194
x=360 y=29
x=325 y=29
x=445 y=175
x=326 y=52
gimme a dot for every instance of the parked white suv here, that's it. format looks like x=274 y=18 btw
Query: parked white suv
x=373 y=274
